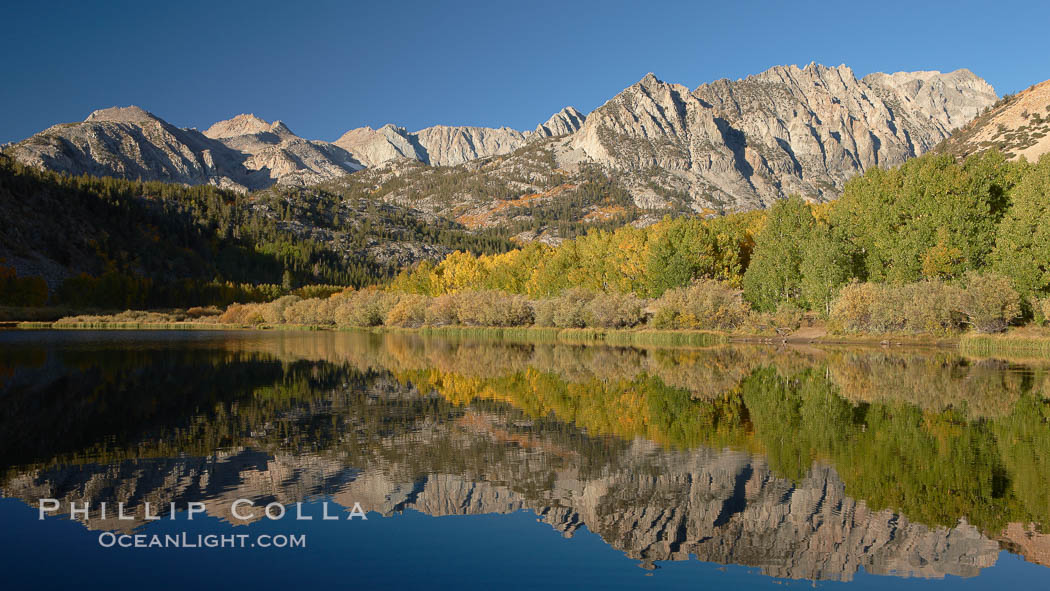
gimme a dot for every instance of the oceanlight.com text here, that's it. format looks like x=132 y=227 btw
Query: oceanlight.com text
x=203 y=541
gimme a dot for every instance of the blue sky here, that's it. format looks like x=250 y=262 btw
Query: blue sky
x=326 y=67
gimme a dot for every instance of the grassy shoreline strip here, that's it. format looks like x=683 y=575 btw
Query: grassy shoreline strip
x=534 y=334
x=974 y=345
x=1007 y=344
x=530 y=334
x=124 y=326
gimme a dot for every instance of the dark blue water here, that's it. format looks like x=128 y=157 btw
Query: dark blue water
x=406 y=551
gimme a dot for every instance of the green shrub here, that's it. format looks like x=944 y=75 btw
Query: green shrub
x=201 y=312
x=787 y=317
x=442 y=311
x=614 y=310
x=409 y=311
x=312 y=312
x=707 y=305
x=565 y=310
x=852 y=310
x=243 y=314
x=363 y=308
x=1043 y=306
x=307 y=292
x=568 y=308
x=920 y=307
x=989 y=302
x=492 y=308
x=924 y=307
x=543 y=312
x=273 y=312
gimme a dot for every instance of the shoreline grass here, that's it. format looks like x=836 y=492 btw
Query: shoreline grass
x=872 y=340
x=524 y=334
x=125 y=326
x=1013 y=345
x=1016 y=344
x=574 y=335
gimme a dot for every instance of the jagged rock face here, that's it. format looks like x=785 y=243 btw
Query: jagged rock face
x=724 y=146
x=951 y=99
x=131 y=114
x=440 y=145
x=564 y=122
x=373 y=147
x=244 y=153
x=287 y=158
x=131 y=143
x=243 y=124
x=654 y=125
x=1019 y=126
x=741 y=144
x=449 y=146
x=444 y=145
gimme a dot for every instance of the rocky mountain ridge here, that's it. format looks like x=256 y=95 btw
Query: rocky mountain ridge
x=723 y=146
x=564 y=122
x=246 y=153
x=129 y=142
x=443 y=145
x=741 y=144
x=286 y=157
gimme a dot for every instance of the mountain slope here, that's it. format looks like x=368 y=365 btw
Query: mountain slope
x=244 y=153
x=723 y=146
x=444 y=145
x=523 y=194
x=951 y=99
x=564 y=122
x=131 y=143
x=440 y=145
x=174 y=239
x=1018 y=125
x=286 y=157
x=741 y=144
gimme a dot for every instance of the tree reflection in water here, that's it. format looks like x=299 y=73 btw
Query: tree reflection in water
x=808 y=463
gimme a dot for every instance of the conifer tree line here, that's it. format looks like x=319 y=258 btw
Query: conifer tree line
x=152 y=244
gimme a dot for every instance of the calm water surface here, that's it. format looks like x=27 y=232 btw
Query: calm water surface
x=496 y=465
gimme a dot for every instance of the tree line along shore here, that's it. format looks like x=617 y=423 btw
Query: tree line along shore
x=703 y=313
x=935 y=248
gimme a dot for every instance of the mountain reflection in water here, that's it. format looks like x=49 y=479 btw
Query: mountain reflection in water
x=805 y=463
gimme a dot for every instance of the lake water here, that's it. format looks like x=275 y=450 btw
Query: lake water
x=496 y=465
